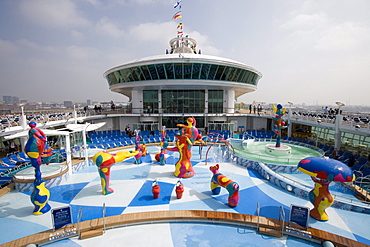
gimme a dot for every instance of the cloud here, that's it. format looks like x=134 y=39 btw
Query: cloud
x=76 y=35
x=57 y=13
x=142 y=2
x=347 y=35
x=81 y=53
x=105 y=27
x=154 y=31
x=162 y=33
x=112 y=3
x=306 y=21
x=27 y=44
x=204 y=44
x=314 y=26
x=7 y=47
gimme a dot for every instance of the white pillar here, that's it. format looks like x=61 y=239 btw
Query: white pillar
x=337 y=135
x=24 y=127
x=290 y=121
x=85 y=143
x=230 y=97
x=137 y=101
x=74 y=114
x=206 y=101
x=68 y=153
x=160 y=101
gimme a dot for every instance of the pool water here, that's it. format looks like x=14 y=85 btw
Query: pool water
x=256 y=151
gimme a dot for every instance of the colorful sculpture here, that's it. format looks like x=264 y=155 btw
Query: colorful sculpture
x=324 y=170
x=219 y=180
x=34 y=149
x=161 y=156
x=179 y=189
x=279 y=111
x=189 y=135
x=104 y=161
x=164 y=145
x=183 y=167
x=156 y=189
x=140 y=147
x=190 y=130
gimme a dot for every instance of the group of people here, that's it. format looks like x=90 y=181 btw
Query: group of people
x=13 y=148
x=129 y=132
x=257 y=108
x=98 y=109
x=331 y=111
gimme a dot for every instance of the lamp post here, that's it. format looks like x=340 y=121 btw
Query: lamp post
x=338 y=123
x=74 y=114
x=290 y=119
x=23 y=121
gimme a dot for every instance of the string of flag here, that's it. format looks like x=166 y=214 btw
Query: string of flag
x=178 y=15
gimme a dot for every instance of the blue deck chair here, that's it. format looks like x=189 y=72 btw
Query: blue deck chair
x=14 y=157
x=133 y=139
x=157 y=138
x=366 y=172
x=4 y=180
x=7 y=161
x=356 y=167
x=23 y=155
x=128 y=141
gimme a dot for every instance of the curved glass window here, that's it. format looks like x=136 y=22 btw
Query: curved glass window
x=204 y=71
x=178 y=70
x=169 y=71
x=161 y=72
x=153 y=72
x=187 y=71
x=112 y=79
x=196 y=70
x=146 y=73
x=219 y=72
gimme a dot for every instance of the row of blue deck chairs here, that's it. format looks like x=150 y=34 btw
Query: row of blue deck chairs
x=108 y=143
x=112 y=139
x=10 y=165
x=218 y=135
x=260 y=134
x=119 y=134
x=13 y=159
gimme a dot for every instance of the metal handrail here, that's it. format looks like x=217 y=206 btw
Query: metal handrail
x=104 y=215
x=79 y=217
x=282 y=218
x=258 y=215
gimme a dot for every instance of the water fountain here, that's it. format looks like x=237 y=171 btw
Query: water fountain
x=278 y=148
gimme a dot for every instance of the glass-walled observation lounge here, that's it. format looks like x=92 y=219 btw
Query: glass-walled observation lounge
x=183 y=101
x=183 y=71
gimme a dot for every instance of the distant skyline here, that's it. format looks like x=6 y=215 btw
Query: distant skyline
x=313 y=52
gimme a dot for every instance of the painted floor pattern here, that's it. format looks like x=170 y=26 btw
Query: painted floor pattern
x=132 y=193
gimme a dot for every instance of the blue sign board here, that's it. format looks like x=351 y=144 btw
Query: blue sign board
x=61 y=217
x=299 y=215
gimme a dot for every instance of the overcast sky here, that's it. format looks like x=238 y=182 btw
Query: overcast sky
x=313 y=52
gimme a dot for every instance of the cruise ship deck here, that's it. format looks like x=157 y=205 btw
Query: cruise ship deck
x=132 y=185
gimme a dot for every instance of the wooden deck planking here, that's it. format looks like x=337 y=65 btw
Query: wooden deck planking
x=191 y=215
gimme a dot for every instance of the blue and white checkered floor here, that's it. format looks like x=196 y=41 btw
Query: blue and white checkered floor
x=132 y=186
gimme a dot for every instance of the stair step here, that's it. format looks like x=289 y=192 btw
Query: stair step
x=91 y=233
